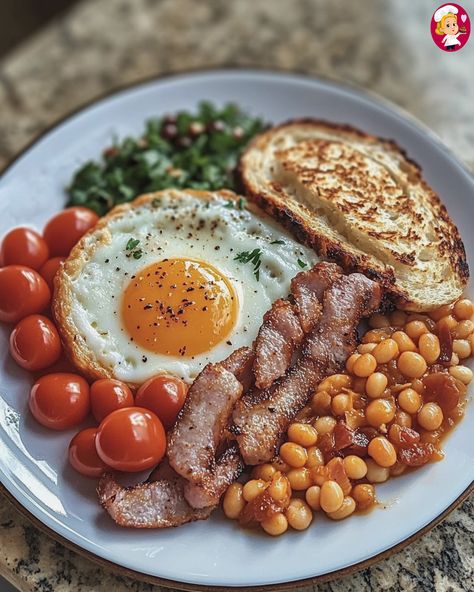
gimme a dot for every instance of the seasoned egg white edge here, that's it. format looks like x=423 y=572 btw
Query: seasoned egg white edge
x=163 y=231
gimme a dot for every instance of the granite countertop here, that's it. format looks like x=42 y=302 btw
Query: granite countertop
x=101 y=44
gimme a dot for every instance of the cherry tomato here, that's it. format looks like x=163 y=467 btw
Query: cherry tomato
x=60 y=401
x=83 y=454
x=35 y=343
x=49 y=270
x=22 y=292
x=107 y=395
x=23 y=246
x=131 y=439
x=64 y=230
x=164 y=395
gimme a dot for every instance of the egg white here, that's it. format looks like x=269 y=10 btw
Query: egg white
x=180 y=225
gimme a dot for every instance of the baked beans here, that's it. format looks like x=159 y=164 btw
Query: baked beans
x=374 y=421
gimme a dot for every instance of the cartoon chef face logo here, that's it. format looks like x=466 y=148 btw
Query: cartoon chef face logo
x=450 y=27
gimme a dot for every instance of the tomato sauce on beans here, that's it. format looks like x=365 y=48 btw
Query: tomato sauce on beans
x=403 y=389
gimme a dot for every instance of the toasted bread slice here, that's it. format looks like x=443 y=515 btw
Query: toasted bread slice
x=358 y=200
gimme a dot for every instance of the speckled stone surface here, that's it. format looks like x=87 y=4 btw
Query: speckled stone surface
x=380 y=45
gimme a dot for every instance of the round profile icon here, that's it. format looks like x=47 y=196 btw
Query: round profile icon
x=450 y=27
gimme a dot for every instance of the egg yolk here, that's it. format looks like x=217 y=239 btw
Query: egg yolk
x=179 y=307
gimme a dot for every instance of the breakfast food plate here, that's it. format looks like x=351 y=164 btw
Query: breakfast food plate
x=215 y=552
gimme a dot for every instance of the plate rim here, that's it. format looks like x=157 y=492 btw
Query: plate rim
x=373 y=97
x=167 y=583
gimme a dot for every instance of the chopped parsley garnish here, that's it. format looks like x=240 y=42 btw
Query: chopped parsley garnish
x=132 y=245
x=197 y=150
x=302 y=264
x=238 y=205
x=253 y=257
x=278 y=242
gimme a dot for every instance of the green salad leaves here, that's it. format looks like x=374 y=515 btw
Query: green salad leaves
x=187 y=150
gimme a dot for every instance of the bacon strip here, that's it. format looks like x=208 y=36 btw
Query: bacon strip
x=277 y=339
x=197 y=435
x=261 y=419
x=206 y=491
x=285 y=324
x=240 y=364
x=307 y=291
x=157 y=504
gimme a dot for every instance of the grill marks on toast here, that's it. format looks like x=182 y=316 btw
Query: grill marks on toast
x=342 y=177
x=361 y=202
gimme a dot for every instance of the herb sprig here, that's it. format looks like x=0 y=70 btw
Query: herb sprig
x=131 y=247
x=185 y=150
x=236 y=205
x=254 y=257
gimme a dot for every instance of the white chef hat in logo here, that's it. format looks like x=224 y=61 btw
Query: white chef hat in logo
x=443 y=11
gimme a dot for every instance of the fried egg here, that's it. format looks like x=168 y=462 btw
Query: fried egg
x=171 y=282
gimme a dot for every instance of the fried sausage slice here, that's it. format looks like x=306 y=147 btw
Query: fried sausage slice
x=155 y=504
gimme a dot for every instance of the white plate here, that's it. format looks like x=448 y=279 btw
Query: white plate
x=215 y=552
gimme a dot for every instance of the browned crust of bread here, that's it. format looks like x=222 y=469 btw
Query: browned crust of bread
x=334 y=250
x=78 y=352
